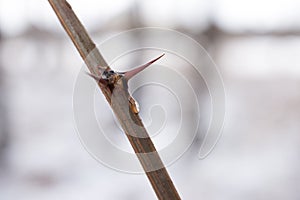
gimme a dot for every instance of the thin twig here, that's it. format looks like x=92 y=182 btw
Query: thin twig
x=118 y=99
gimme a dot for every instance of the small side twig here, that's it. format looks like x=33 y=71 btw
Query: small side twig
x=118 y=99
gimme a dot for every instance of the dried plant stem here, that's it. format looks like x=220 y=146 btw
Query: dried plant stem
x=130 y=122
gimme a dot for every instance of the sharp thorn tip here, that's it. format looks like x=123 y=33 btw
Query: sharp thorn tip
x=131 y=73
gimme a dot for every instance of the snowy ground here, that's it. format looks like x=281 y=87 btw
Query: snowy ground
x=256 y=158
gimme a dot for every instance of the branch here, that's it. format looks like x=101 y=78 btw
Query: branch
x=116 y=93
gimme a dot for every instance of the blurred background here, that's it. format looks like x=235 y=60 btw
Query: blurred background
x=255 y=45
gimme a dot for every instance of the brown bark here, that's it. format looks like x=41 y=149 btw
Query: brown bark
x=118 y=99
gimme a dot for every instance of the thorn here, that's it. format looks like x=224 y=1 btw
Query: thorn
x=93 y=76
x=98 y=79
x=128 y=75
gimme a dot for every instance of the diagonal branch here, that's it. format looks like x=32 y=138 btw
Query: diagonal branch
x=118 y=97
